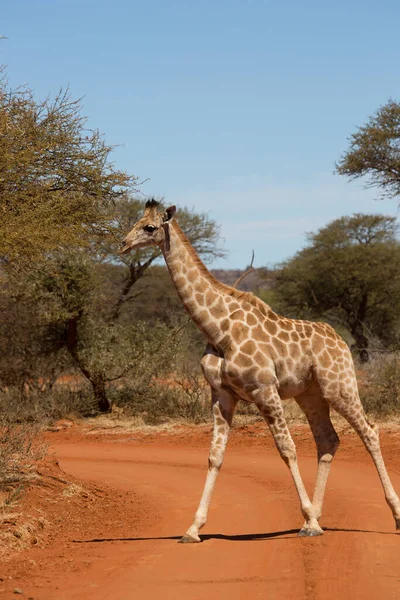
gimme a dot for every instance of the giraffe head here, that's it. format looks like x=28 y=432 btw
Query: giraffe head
x=150 y=230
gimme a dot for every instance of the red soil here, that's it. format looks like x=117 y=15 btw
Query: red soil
x=117 y=539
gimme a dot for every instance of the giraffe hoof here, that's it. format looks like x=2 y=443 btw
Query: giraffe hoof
x=398 y=524
x=304 y=532
x=188 y=539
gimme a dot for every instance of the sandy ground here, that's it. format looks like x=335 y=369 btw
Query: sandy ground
x=115 y=538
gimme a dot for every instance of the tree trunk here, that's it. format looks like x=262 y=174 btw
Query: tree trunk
x=136 y=271
x=357 y=330
x=361 y=345
x=99 y=391
x=96 y=380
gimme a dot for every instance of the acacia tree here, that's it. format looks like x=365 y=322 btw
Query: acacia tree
x=57 y=182
x=374 y=151
x=348 y=274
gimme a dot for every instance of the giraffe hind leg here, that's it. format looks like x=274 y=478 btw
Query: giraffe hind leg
x=316 y=410
x=270 y=406
x=349 y=405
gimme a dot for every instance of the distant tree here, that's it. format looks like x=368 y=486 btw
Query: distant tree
x=57 y=183
x=374 y=151
x=349 y=274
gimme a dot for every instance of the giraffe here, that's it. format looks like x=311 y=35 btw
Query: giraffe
x=259 y=357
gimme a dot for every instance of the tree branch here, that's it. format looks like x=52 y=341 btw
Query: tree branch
x=136 y=271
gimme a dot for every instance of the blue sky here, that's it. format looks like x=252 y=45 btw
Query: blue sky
x=236 y=108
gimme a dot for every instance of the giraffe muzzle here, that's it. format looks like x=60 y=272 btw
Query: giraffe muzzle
x=124 y=247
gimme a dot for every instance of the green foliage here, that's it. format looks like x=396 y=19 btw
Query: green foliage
x=158 y=404
x=64 y=308
x=349 y=274
x=375 y=151
x=163 y=382
x=272 y=298
x=138 y=351
x=57 y=182
x=148 y=371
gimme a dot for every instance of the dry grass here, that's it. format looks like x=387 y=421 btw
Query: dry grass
x=246 y=414
x=74 y=489
x=20 y=449
x=17 y=530
x=23 y=533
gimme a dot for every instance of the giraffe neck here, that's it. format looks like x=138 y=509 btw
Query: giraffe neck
x=204 y=298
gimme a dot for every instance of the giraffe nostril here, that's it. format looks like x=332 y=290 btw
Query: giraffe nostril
x=124 y=247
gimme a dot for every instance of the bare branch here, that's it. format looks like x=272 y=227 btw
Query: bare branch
x=249 y=270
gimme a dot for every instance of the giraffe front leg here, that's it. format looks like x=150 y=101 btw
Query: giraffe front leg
x=223 y=406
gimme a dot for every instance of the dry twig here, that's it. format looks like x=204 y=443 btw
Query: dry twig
x=249 y=270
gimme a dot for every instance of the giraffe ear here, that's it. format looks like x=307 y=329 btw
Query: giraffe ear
x=169 y=213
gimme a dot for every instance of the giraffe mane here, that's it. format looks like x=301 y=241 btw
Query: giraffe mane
x=152 y=203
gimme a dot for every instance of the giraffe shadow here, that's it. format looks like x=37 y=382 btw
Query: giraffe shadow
x=204 y=537
x=244 y=537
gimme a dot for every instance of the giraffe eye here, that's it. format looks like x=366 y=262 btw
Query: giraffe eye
x=149 y=228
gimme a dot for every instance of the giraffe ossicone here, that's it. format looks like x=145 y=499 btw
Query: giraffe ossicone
x=257 y=356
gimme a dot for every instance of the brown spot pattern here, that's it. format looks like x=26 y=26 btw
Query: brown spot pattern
x=225 y=324
x=284 y=336
x=210 y=297
x=250 y=319
x=238 y=315
x=239 y=332
x=249 y=347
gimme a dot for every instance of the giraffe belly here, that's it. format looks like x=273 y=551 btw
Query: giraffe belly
x=291 y=386
x=243 y=382
x=292 y=390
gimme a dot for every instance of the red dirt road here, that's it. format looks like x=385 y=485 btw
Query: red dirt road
x=250 y=547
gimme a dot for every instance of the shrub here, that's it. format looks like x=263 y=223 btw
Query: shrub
x=380 y=392
x=43 y=406
x=159 y=402
x=19 y=449
x=194 y=397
